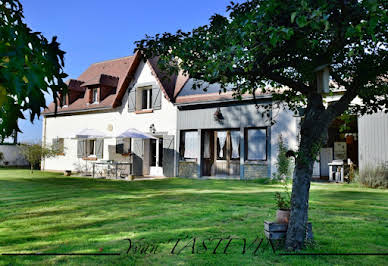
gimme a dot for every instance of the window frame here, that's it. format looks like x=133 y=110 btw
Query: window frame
x=95 y=96
x=140 y=97
x=182 y=145
x=228 y=145
x=90 y=153
x=231 y=145
x=246 y=144
x=123 y=141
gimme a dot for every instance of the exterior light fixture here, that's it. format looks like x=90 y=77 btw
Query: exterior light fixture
x=218 y=115
x=152 y=129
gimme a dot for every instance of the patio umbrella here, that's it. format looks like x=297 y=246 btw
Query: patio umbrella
x=134 y=133
x=88 y=133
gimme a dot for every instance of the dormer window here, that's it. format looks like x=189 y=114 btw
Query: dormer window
x=95 y=95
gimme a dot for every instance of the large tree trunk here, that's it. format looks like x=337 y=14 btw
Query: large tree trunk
x=313 y=134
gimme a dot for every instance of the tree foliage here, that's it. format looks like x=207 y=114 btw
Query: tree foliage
x=268 y=44
x=34 y=153
x=30 y=66
x=277 y=46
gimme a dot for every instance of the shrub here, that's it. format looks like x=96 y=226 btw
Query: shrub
x=374 y=176
x=34 y=153
x=283 y=200
x=283 y=163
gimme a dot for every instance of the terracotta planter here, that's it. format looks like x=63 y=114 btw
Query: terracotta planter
x=282 y=216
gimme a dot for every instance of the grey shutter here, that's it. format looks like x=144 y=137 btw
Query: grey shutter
x=168 y=155
x=61 y=145
x=55 y=144
x=81 y=152
x=156 y=99
x=137 y=157
x=99 y=148
x=132 y=100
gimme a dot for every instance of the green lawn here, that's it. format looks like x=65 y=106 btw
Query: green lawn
x=49 y=213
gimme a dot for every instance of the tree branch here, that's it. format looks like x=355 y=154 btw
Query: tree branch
x=296 y=85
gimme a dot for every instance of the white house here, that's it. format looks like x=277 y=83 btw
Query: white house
x=110 y=97
x=197 y=133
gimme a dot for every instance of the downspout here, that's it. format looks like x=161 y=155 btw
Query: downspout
x=43 y=165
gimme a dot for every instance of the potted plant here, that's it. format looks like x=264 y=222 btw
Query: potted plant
x=283 y=202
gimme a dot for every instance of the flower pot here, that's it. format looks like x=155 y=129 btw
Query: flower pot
x=282 y=216
x=67 y=173
x=349 y=139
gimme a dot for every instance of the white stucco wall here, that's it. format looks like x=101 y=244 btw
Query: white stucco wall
x=12 y=155
x=63 y=126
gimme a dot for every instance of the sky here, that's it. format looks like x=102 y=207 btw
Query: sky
x=90 y=31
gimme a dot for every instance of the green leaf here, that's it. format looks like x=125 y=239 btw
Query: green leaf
x=301 y=21
x=273 y=38
x=293 y=15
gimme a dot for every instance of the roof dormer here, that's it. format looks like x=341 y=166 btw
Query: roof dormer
x=100 y=86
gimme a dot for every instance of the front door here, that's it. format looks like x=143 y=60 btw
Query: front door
x=156 y=157
x=221 y=153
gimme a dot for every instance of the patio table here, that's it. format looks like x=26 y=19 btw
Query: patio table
x=112 y=167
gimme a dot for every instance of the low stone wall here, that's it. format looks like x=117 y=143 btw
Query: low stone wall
x=188 y=169
x=115 y=156
x=255 y=170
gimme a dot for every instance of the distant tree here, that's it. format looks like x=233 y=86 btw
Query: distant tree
x=34 y=153
x=30 y=65
x=267 y=45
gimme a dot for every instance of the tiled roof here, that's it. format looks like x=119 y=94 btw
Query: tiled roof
x=119 y=72
x=103 y=79
x=171 y=85
x=112 y=72
x=209 y=93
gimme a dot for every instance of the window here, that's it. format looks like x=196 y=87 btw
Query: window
x=119 y=146
x=58 y=145
x=91 y=147
x=235 y=144
x=123 y=146
x=95 y=95
x=144 y=98
x=221 y=145
x=256 y=144
x=228 y=145
x=189 y=144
